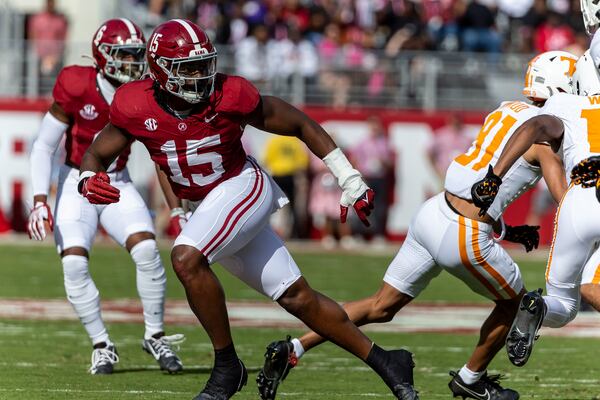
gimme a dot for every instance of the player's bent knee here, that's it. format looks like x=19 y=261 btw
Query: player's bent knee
x=74 y=251
x=145 y=254
x=187 y=262
x=298 y=296
x=136 y=238
x=384 y=309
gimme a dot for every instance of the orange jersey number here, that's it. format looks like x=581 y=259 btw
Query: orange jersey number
x=593 y=128
x=494 y=125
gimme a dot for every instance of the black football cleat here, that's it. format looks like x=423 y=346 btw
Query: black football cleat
x=161 y=348
x=224 y=382
x=279 y=360
x=486 y=388
x=524 y=329
x=104 y=357
x=397 y=373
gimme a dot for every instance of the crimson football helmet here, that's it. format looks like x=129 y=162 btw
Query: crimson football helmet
x=182 y=60
x=119 y=50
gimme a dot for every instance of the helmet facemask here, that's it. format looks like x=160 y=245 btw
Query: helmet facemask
x=190 y=78
x=591 y=15
x=124 y=62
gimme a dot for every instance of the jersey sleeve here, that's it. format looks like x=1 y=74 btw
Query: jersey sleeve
x=61 y=93
x=239 y=96
x=248 y=97
x=558 y=106
x=117 y=114
x=69 y=87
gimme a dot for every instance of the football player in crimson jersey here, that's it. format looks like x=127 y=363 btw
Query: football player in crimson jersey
x=191 y=119
x=82 y=96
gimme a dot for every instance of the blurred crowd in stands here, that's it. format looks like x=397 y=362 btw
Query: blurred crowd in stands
x=355 y=26
x=278 y=40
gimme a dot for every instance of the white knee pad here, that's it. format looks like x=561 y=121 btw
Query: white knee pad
x=560 y=311
x=151 y=284
x=83 y=296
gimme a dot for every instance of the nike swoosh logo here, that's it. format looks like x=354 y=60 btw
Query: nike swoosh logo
x=483 y=396
x=208 y=119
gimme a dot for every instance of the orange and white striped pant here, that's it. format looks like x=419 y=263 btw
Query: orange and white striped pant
x=437 y=239
x=574 y=258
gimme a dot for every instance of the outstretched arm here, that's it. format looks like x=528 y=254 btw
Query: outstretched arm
x=276 y=116
x=542 y=128
x=553 y=170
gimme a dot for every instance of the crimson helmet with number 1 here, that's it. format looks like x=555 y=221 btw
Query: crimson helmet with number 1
x=182 y=60
x=119 y=49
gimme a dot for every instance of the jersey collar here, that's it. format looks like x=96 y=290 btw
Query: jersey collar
x=107 y=90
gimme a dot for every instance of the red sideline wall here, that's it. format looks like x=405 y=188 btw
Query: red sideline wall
x=409 y=132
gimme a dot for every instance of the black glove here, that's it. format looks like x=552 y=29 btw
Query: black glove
x=527 y=235
x=587 y=174
x=484 y=191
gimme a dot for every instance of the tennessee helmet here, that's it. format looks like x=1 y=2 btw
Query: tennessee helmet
x=586 y=81
x=591 y=15
x=119 y=49
x=549 y=73
x=182 y=60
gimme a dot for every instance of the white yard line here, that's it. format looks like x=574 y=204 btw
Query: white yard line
x=418 y=318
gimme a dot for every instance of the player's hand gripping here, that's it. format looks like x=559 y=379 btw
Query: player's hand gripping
x=355 y=193
x=587 y=174
x=363 y=205
x=97 y=189
x=40 y=213
x=526 y=235
x=177 y=221
x=484 y=191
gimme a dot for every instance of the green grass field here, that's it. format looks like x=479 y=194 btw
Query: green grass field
x=48 y=360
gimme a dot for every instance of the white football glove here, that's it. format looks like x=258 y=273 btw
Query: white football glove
x=355 y=192
x=35 y=226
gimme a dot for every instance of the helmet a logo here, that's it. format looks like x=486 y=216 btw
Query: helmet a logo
x=88 y=112
x=182 y=126
x=151 y=124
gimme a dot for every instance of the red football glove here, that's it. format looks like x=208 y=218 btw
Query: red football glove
x=363 y=206
x=98 y=190
x=176 y=223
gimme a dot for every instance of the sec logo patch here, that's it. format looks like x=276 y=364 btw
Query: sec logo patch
x=182 y=126
x=151 y=124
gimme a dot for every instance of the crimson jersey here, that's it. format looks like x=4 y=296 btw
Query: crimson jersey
x=76 y=92
x=197 y=152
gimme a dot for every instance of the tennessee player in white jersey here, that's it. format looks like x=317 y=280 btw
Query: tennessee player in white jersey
x=447 y=233
x=571 y=123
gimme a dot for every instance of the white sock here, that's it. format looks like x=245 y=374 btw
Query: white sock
x=469 y=377
x=151 y=284
x=84 y=297
x=298 y=349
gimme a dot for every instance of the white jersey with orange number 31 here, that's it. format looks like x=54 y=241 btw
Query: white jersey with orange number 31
x=470 y=167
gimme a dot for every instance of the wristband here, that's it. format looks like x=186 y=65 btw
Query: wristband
x=340 y=167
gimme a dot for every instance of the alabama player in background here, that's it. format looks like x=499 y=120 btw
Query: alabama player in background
x=571 y=124
x=82 y=96
x=448 y=233
x=191 y=119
